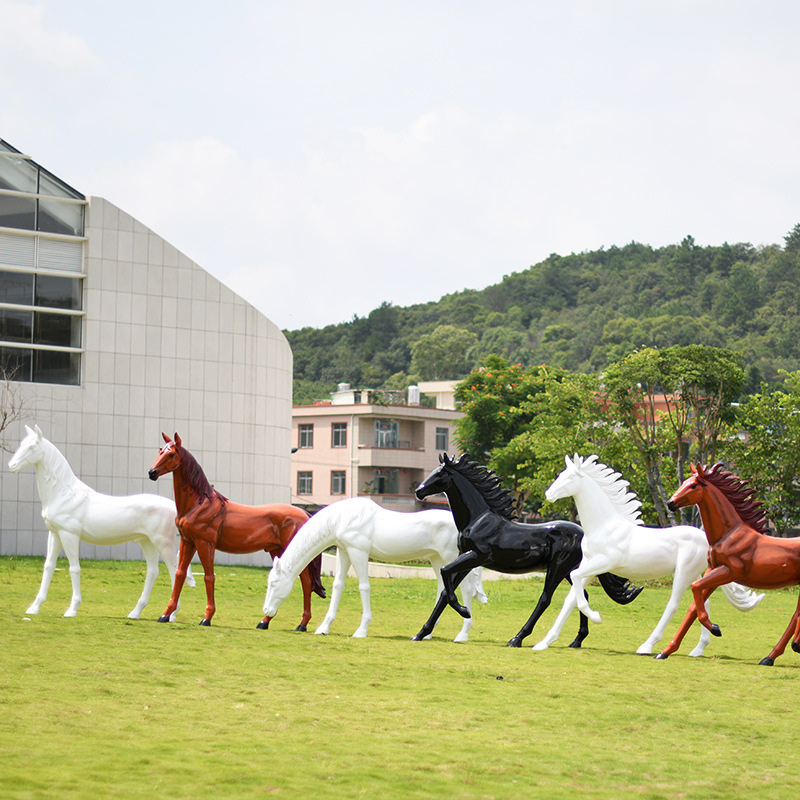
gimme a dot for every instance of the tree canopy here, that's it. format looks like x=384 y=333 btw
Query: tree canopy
x=580 y=312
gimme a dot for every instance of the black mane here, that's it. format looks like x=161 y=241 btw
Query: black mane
x=501 y=501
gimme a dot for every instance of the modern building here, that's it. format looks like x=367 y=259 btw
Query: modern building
x=110 y=336
x=373 y=444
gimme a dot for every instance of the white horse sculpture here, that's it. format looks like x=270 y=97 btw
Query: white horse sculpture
x=361 y=530
x=73 y=511
x=615 y=540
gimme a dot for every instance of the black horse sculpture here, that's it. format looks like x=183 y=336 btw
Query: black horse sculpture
x=490 y=536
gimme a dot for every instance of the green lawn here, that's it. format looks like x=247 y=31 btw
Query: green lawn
x=101 y=706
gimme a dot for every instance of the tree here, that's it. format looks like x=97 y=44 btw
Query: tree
x=768 y=455
x=12 y=403
x=441 y=355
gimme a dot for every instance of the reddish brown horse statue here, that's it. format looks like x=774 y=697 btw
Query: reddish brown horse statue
x=740 y=549
x=207 y=521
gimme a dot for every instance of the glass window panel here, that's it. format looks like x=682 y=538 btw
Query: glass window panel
x=49 y=184
x=304 y=483
x=337 y=481
x=17 y=288
x=339 y=434
x=15 y=326
x=61 y=330
x=54 y=367
x=16 y=363
x=17 y=212
x=17 y=174
x=57 y=217
x=55 y=292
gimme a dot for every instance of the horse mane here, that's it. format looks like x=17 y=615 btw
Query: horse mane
x=195 y=479
x=57 y=464
x=740 y=496
x=501 y=501
x=614 y=486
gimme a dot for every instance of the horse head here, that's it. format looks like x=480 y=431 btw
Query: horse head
x=690 y=491
x=439 y=480
x=279 y=585
x=566 y=484
x=30 y=450
x=168 y=459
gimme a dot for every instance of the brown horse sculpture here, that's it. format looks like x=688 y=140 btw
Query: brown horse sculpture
x=740 y=549
x=207 y=521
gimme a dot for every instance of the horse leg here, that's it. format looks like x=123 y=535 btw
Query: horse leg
x=675 y=643
x=702 y=588
x=427 y=629
x=552 y=579
x=206 y=552
x=186 y=551
x=342 y=568
x=360 y=561
x=585 y=571
x=567 y=608
x=151 y=557
x=455 y=572
x=71 y=544
x=681 y=580
x=794 y=623
x=53 y=549
x=305 y=582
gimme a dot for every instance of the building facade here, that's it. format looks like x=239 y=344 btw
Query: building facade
x=362 y=443
x=109 y=336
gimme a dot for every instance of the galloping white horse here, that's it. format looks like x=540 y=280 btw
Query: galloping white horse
x=73 y=511
x=361 y=529
x=615 y=540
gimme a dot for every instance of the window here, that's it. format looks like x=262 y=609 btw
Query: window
x=41 y=303
x=305 y=435
x=304 y=483
x=339 y=434
x=41 y=321
x=337 y=481
x=386 y=433
x=387 y=481
x=443 y=439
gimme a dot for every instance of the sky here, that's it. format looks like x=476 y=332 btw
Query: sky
x=321 y=158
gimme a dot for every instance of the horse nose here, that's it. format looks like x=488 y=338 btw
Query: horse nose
x=153 y=475
x=671 y=505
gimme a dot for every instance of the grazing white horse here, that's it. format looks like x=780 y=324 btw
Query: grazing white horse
x=73 y=511
x=361 y=530
x=615 y=540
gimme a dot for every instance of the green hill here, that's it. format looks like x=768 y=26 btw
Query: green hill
x=581 y=311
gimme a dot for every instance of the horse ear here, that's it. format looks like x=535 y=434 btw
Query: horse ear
x=567 y=462
x=696 y=469
x=177 y=439
x=445 y=459
x=166 y=438
x=38 y=430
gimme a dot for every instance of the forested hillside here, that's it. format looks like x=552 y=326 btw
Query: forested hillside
x=581 y=311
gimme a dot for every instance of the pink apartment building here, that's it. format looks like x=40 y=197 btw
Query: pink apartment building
x=371 y=444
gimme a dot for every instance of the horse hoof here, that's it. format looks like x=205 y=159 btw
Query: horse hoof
x=715 y=631
x=661 y=657
x=206 y=623
x=575 y=645
x=262 y=626
x=164 y=618
x=767 y=662
x=796 y=647
x=515 y=642
x=301 y=628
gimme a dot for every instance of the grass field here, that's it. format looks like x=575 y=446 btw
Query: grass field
x=100 y=705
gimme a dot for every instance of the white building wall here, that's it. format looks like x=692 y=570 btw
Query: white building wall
x=167 y=348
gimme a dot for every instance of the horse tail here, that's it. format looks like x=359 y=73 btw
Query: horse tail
x=315 y=573
x=740 y=597
x=620 y=590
